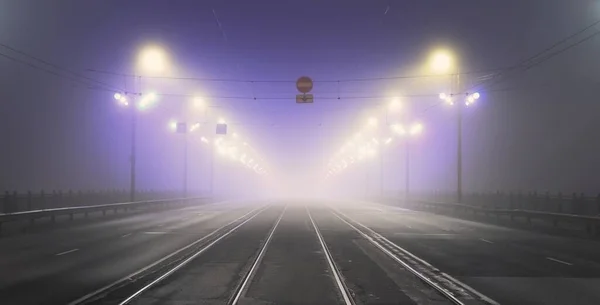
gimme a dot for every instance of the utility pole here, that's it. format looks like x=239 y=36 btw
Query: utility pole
x=185 y=165
x=132 y=158
x=407 y=171
x=459 y=143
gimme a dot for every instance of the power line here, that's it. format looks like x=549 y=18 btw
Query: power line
x=45 y=70
x=347 y=80
x=553 y=54
x=531 y=61
x=39 y=60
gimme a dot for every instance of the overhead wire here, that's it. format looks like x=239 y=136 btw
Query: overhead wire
x=346 y=80
x=541 y=56
x=74 y=76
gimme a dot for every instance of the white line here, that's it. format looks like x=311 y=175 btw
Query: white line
x=424 y=234
x=418 y=274
x=66 y=252
x=185 y=262
x=486 y=241
x=330 y=262
x=242 y=288
x=127 y=278
x=559 y=261
x=128 y=234
x=155 y=232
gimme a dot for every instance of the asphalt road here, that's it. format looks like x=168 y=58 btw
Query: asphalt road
x=510 y=266
x=59 y=266
x=296 y=253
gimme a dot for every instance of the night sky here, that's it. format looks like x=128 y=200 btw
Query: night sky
x=61 y=128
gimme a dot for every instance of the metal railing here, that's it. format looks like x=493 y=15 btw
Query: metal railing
x=576 y=204
x=13 y=202
x=590 y=223
x=52 y=213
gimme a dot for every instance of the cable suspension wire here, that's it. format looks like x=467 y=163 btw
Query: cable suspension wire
x=234 y=80
x=540 y=57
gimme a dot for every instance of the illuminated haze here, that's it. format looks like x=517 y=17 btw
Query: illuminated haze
x=524 y=134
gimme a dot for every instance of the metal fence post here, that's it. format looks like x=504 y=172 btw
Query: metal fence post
x=42 y=200
x=5 y=202
x=14 y=202
x=559 y=206
x=583 y=204
x=29 y=201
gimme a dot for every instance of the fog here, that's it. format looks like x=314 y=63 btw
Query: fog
x=61 y=129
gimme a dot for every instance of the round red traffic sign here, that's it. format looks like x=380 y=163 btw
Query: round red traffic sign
x=304 y=84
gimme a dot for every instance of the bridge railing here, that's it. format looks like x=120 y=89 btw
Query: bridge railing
x=13 y=202
x=574 y=204
x=53 y=213
x=576 y=210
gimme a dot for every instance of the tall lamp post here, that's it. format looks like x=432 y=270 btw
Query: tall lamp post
x=184 y=129
x=443 y=61
x=151 y=59
x=411 y=131
x=470 y=99
x=128 y=99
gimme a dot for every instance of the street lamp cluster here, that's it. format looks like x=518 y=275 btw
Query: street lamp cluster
x=372 y=138
x=367 y=142
x=154 y=60
x=470 y=98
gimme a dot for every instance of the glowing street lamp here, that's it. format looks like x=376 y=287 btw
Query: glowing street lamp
x=395 y=104
x=123 y=100
x=441 y=61
x=153 y=59
x=470 y=99
x=414 y=130
x=372 y=121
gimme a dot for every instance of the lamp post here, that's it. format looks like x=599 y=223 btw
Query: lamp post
x=442 y=61
x=408 y=132
x=150 y=59
x=184 y=129
x=128 y=99
x=470 y=99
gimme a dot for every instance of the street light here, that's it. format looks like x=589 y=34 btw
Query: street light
x=122 y=98
x=441 y=61
x=470 y=99
x=372 y=121
x=153 y=59
x=395 y=104
x=414 y=130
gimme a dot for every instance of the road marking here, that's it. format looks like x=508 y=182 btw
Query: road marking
x=66 y=252
x=559 y=261
x=250 y=273
x=136 y=273
x=424 y=234
x=426 y=279
x=123 y=236
x=155 y=232
x=334 y=270
x=187 y=260
x=486 y=241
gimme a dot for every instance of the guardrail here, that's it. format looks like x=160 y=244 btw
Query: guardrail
x=590 y=223
x=71 y=211
x=573 y=203
x=12 y=202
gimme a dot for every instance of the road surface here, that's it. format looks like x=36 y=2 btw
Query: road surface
x=296 y=252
